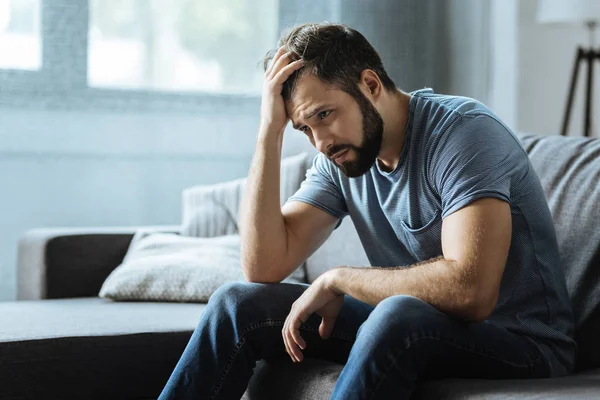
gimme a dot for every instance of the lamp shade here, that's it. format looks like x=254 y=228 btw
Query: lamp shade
x=568 y=11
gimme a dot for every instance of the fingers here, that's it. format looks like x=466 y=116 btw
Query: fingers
x=288 y=70
x=295 y=333
x=294 y=347
x=281 y=68
x=326 y=327
x=280 y=51
x=292 y=339
x=290 y=346
x=281 y=60
x=286 y=341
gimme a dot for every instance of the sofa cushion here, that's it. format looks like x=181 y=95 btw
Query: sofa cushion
x=208 y=209
x=569 y=170
x=209 y=218
x=170 y=267
x=91 y=348
x=315 y=379
x=580 y=386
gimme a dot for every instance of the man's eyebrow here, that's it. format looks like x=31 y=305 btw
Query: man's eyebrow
x=316 y=110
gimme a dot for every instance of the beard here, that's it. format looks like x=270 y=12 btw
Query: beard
x=366 y=153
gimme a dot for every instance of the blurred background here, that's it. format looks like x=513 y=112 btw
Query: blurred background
x=109 y=108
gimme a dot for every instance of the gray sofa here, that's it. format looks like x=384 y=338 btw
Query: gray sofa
x=61 y=341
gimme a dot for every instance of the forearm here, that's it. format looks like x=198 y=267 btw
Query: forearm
x=262 y=226
x=439 y=282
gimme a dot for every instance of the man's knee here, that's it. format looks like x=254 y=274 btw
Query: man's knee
x=250 y=297
x=409 y=305
x=399 y=315
x=234 y=295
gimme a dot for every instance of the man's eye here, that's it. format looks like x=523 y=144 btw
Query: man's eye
x=324 y=114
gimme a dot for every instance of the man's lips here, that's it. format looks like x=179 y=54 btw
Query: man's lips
x=337 y=156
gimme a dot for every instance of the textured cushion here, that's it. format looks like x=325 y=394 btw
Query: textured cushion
x=208 y=209
x=169 y=267
x=209 y=218
x=569 y=170
x=315 y=379
x=91 y=348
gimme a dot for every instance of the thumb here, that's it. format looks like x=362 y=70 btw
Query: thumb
x=326 y=327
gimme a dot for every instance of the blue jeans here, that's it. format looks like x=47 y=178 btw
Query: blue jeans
x=386 y=349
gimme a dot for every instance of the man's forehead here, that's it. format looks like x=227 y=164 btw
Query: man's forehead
x=309 y=93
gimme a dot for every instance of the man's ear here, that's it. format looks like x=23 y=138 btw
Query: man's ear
x=370 y=83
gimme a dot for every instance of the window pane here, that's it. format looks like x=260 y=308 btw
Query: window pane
x=20 y=41
x=181 y=45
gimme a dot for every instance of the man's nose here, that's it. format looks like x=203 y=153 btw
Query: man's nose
x=323 y=141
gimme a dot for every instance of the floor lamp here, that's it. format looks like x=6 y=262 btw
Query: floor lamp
x=585 y=12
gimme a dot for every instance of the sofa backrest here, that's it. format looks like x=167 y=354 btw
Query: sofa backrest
x=569 y=170
x=213 y=209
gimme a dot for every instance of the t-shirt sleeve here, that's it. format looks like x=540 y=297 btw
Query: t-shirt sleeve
x=320 y=190
x=478 y=157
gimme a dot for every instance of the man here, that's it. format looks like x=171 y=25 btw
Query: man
x=466 y=278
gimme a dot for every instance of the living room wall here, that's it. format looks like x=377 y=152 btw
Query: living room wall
x=546 y=55
x=530 y=67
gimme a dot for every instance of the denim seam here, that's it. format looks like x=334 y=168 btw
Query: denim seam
x=337 y=336
x=237 y=348
x=528 y=364
x=240 y=343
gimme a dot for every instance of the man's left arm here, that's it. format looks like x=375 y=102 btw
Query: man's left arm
x=463 y=282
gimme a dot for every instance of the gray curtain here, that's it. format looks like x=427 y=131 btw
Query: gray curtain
x=423 y=43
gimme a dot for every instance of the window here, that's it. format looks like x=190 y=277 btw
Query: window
x=20 y=39
x=180 y=45
x=184 y=56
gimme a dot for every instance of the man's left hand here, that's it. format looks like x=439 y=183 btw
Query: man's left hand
x=319 y=298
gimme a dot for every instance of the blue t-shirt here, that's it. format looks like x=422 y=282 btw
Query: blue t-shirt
x=456 y=151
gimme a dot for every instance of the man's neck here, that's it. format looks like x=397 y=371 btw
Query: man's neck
x=395 y=116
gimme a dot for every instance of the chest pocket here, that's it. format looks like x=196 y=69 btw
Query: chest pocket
x=424 y=242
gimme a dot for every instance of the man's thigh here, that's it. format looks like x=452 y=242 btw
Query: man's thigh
x=438 y=345
x=267 y=305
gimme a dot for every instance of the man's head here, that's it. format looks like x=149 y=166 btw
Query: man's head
x=330 y=97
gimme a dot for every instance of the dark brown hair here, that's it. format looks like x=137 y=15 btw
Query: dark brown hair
x=335 y=53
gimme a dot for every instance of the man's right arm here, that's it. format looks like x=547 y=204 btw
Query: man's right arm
x=276 y=240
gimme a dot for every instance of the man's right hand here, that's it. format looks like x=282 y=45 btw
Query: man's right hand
x=273 y=115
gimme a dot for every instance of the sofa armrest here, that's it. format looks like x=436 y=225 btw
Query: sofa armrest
x=58 y=263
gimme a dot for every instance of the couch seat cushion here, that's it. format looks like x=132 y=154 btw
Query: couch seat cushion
x=315 y=379
x=91 y=348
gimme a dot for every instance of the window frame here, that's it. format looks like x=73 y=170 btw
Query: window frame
x=61 y=82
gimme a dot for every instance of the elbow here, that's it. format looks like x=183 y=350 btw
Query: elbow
x=249 y=271
x=480 y=306
x=250 y=266
x=253 y=274
x=255 y=268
